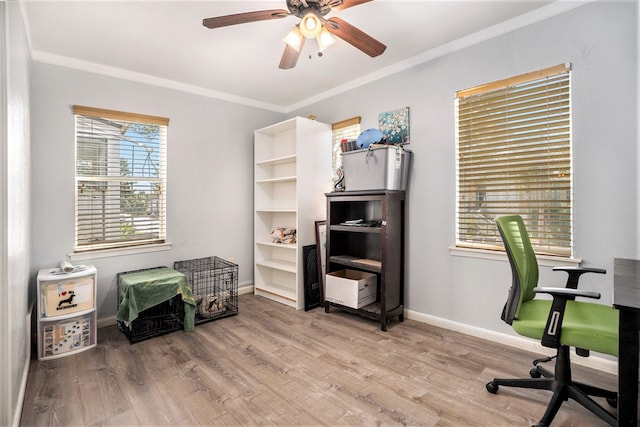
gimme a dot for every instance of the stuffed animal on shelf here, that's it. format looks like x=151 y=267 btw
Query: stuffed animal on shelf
x=283 y=235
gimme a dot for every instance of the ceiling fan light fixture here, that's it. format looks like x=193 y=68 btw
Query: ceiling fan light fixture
x=310 y=24
x=325 y=39
x=294 y=38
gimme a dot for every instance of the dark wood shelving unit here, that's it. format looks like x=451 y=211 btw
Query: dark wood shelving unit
x=376 y=249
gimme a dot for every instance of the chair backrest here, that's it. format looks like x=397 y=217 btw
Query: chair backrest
x=524 y=266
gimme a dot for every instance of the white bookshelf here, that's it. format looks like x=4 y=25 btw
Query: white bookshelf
x=292 y=173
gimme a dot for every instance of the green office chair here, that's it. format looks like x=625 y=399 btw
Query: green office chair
x=561 y=323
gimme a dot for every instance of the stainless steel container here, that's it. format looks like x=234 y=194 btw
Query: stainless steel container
x=383 y=167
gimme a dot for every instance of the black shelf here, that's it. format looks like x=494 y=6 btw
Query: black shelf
x=371 y=311
x=355 y=262
x=355 y=229
x=378 y=250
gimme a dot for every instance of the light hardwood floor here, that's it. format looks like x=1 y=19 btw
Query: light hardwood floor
x=272 y=365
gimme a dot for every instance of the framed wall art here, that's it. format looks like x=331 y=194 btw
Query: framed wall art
x=395 y=125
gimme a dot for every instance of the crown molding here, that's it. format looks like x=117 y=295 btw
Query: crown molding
x=556 y=8
x=545 y=12
x=120 y=73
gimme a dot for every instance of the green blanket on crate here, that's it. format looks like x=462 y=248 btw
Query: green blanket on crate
x=147 y=288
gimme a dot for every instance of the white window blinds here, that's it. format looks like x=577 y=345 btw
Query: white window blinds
x=514 y=157
x=345 y=129
x=120 y=179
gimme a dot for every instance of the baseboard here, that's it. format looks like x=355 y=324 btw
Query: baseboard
x=106 y=321
x=25 y=371
x=594 y=361
x=23 y=388
x=245 y=288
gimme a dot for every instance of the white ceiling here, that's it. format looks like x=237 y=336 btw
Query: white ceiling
x=164 y=43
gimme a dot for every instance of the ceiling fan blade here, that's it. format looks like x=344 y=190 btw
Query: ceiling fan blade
x=355 y=37
x=241 y=18
x=290 y=56
x=349 y=3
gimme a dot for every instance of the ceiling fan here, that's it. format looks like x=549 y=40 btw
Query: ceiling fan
x=313 y=24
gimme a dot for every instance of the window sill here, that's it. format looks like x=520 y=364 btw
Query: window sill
x=106 y=253
x=543 y=260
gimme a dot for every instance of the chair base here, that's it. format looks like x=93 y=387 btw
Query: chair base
x=563 y=388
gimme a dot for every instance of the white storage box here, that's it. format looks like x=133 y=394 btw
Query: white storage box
x=384 y=167
x=352 y=288
x=62 y=294
x=67 y=335
x=67 y=295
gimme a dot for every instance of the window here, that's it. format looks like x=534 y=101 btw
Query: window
x=346 y=129
x=513 y=141
x=120 y=179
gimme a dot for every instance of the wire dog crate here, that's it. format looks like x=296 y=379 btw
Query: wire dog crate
x=154 y=321
x=214 y=283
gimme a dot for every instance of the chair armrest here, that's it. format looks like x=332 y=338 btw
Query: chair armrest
x=566 y=293
x=553 y=328
x=575 y=273
x=582 y=269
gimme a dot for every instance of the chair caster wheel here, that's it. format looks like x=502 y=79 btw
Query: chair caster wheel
x=612 y=401
x=534 y=373
x=492 y=387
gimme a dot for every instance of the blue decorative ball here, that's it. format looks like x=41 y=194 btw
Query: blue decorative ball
x=368 y=137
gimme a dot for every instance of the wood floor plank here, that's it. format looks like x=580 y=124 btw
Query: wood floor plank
x=274 y=365
x=58 y=401
x=104 y=388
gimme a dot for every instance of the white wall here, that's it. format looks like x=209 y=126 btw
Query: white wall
x=598 y=39
x=210 y=166
x=14 y=211
x=210 y=172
